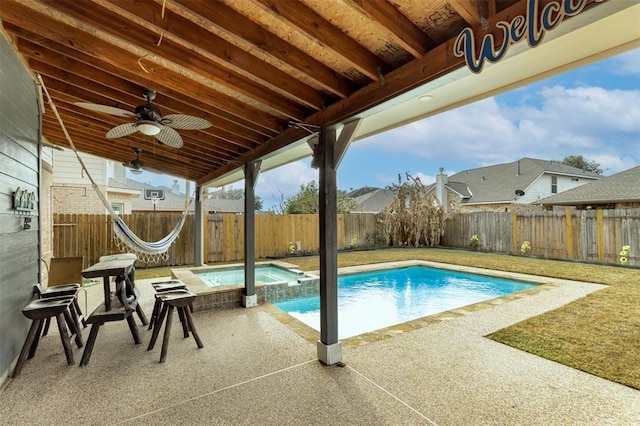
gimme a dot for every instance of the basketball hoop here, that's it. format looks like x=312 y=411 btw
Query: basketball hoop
x=154 y=201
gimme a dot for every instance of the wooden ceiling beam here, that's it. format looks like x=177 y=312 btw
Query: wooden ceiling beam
x=193 y=142
x=218 y=16
x=203 y=142
x=197 y=39
x=117 y=150
x=177 y=169
x=76 y=62
x=94 y=129
x=404 y=32
x=469 y=10
x=195 y=147
x=491 y=7
x=317 y=28
x=13 y=12
x=435 y=63
x=139 y=42
x=85 y=78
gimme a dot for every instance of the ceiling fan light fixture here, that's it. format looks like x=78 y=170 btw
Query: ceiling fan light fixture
x=136 y=171
x=149 y=128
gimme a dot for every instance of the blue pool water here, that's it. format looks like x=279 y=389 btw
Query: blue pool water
x=264 y=274
x=372 y=300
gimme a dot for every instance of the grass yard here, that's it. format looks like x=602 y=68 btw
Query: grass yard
x=598 y=334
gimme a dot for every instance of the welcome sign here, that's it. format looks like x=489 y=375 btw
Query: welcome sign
x=532 y=27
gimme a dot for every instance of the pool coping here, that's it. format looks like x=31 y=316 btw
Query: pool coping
x=312 y=336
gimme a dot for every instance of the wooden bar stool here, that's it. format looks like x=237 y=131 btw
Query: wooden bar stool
x=67 y=290
x=101 y=315
x=40 y=310
x=163 y=287
x=180 y=299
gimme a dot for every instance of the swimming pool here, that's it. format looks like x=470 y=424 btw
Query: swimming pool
x=372 y=300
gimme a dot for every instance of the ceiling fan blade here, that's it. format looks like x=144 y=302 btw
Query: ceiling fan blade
x=105 y=109
x=186 y=122
x=122 y=131
x=169 y=137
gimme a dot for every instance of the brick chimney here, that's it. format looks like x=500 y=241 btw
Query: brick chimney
x=175 y=188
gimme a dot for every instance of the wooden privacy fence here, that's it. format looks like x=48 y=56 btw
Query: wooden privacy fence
x=587 y=235
x=274 y=234
x=90 y=235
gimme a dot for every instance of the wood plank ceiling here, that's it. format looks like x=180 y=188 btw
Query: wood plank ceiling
x=249 y=67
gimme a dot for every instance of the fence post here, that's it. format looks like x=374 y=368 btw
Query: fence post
x=600 y=242
x=569 y=224
x=514 y=220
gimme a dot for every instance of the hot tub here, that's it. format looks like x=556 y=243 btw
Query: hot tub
x=221 y=286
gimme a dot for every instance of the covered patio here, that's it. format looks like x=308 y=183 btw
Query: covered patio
x=281 y=81
x=255 y=369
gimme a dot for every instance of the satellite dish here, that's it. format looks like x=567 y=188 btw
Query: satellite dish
x=519 y=192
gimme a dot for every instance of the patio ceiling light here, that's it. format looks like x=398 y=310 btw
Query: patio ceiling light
x=148 y=128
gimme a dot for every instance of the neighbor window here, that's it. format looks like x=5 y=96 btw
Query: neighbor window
x=118 y=208
x=554 y=184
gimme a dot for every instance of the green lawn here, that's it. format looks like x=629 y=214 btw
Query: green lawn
x=599 y=334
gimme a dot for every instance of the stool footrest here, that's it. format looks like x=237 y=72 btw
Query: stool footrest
x=100 y=315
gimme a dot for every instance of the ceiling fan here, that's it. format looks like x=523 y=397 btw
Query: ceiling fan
x=149 y=121
x=135 y=165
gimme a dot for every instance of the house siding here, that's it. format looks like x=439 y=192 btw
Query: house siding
x=68 y=170
x=72 y=191
x=541 y=188
x=20 y=168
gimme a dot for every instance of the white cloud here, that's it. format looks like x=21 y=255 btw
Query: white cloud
x=627 y=63
x=284 y=180
x=473 y=132
x=603 y=125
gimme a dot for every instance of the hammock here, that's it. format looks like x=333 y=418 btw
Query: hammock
x=147 y=252
x=125 y=238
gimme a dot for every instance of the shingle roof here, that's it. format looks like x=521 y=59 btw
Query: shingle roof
x=497 y=183
x=460 y=188
x=175 y=202
x=361 y=191
x=116 y=184
x=373 y=201
x=621 y=187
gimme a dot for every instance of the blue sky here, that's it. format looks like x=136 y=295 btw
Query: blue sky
x=593 y=111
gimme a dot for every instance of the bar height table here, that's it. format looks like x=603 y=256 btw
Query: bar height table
x=113 y=266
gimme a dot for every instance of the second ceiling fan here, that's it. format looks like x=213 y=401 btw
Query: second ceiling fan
x=149 y=121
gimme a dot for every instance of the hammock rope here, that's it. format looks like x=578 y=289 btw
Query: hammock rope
x=124 y=237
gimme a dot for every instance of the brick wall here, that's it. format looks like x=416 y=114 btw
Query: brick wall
x=79 y=199
x=46 y=218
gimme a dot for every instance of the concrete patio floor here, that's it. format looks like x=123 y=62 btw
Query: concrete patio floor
x=254 y=369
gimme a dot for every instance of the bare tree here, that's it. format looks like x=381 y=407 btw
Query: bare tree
x=413 y=218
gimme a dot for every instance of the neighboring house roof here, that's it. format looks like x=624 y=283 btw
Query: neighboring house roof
x=115 y=185
x=619 y=188
x=460 y=188
x=175 y=201
x=372 y=200
x=497 y=183
x=361 y=191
